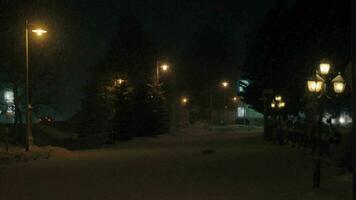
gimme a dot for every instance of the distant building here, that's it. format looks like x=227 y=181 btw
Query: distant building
x=244 y=114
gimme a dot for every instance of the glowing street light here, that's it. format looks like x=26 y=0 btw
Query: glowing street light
x=29 y=138
x=318 y=85
x=273 y=104
x=339 y=84
x=39 y=31
x=324 y=68
x=278 y=98
x=184 y=100
x=315 y=86
x=225 y=84
x=281 y=104
x=119 y=81
x=163 y=67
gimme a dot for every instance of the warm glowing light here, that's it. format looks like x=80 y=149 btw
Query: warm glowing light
x=273 y=105
x=184 y=100
x=225 y=84
x=339 y=84
x=39 y=31
x=281 y=104
x=164 y=67
x=339 y=87
x=235 y=99
x=119 y=81
x=278 y=98
x=315 y=86
x=324 y=68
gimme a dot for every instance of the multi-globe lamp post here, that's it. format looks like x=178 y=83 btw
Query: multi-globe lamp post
x=324 y=85
x=39 y=32
x=277 y=104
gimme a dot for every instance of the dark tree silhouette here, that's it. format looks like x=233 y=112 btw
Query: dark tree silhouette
x=290 y=44
x=137 y=106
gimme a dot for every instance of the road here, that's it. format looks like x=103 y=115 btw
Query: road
x=206 y=166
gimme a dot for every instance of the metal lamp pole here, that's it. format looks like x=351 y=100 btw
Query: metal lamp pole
x=318 y=86
x=157 y=72
x=29 y=138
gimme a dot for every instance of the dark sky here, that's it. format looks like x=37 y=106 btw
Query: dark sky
x=170 y=23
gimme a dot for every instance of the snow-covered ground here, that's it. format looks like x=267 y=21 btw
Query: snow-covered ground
x=194 y=164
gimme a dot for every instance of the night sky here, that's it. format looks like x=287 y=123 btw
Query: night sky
x=171 y=24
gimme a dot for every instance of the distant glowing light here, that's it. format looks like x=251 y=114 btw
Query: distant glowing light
x=185 y=100
x=119 y=81
x=281 y=104
x=278 y=98
x=342 y=120
x=225 y=84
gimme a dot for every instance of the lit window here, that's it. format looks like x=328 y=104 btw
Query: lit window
x=241 y=89
x=241 y=112
x=9 y=97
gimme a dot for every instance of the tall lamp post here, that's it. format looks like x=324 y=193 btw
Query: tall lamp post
x=278 y=104
x=29 y=139
x=225 y=85
x=320 y=86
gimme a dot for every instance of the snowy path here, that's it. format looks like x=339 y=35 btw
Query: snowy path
x=241 y=166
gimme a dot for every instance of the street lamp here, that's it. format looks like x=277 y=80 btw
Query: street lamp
x=225 y=84
x=315 y=84
x=184 y=100
x=159 y=66
x=29 y=139
x=281 y=104
x=235 y=99
x=318 y=85
x=324 y=68
x=277 y=105
x=119 y=81
x=39 y=31
x=339 y=84
x=278 y=98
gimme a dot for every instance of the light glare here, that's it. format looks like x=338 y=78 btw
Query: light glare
x=225 y=84
x=324 y=68
x=315 y=86
x=164 y=67
x=39 y=31
x=278 y=98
